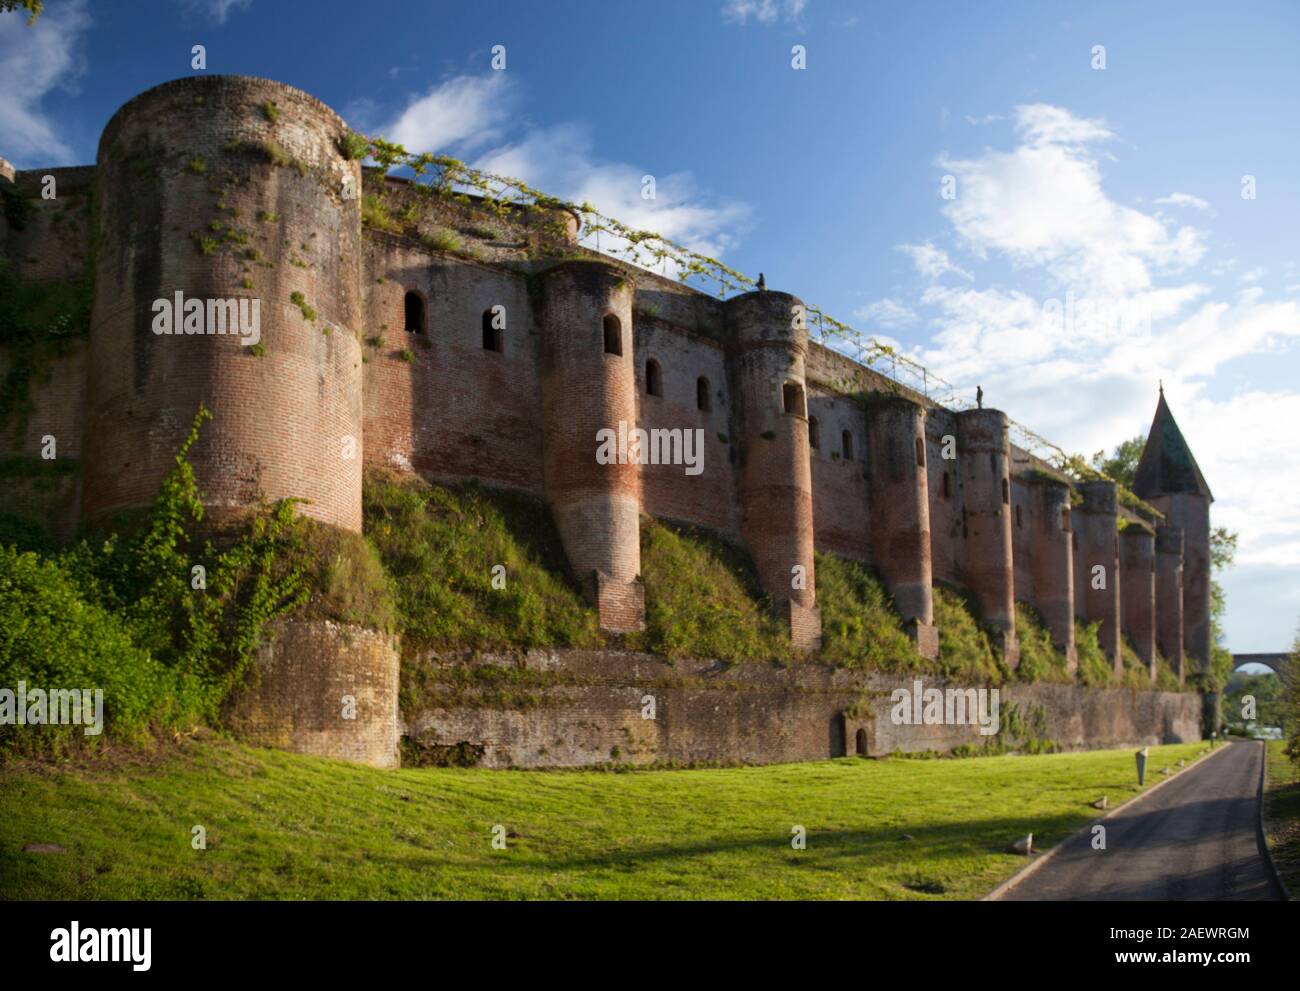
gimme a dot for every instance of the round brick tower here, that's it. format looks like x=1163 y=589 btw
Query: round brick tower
x=1053 y=563
x=588 y=388
x=231 y=194
x=770 y=338
x=1099 y=548
x=985 y=455
x=1138 y=590
x=900 y=513
x=1169 y=596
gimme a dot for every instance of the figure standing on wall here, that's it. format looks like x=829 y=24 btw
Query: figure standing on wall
x=762 y=283
x=979 y=397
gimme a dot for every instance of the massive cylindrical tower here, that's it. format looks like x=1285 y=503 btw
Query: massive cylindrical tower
x=984 y=457
x=1169 y=596
x=1099 y=560
x=588 y=415
x=1138 y=587
x=1052 y=562
x=770 y=339
x=900 y=513
x=226 y=274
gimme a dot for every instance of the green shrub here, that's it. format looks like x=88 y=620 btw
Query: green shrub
x=966 y=652
x=439 y=545
x=1095 y=668
x=354 y=146
x=860 y=628
x=52 y=637
x=703 y=599
x=1039 y=659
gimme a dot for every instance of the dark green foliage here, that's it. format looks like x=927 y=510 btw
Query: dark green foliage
x=966 y=651
x=860 y=628
x=1039 y=659
x=439 y=546
x=1095 y=668
x=703 y=599
x=123 y=613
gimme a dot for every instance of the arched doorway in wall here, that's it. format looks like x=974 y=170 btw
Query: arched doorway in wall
x=837 y=735
x=860 y=742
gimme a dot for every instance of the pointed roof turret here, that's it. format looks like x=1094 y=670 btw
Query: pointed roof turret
x=1167 y=465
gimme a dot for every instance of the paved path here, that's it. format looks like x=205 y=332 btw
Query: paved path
x=1193 y=840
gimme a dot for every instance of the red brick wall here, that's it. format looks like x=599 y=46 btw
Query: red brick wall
x=1138 y=589
x=900 y=508
x=841 y=519
x=1098 y=533
x=586 y=389
x=983 y=459
x=283 y=423
x=1169 y=596
x=775 y=476
x=456 y=410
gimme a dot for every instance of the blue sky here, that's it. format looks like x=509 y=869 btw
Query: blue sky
x=1119 y=185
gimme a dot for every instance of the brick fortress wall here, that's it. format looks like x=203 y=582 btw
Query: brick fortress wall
x=405 y=367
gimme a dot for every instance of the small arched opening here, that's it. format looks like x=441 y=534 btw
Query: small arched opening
x=491 y=332
x=415 y=316
x=920 y=452
x=613 y=335
x=814 y=433
x=654 y=384
x=860 y=742
x=792 y=399
x=1006 y=492
x=702 y=394
x=846 y=445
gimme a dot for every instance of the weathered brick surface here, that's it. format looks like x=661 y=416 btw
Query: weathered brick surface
x=524 y=416
x=593 y=710
x=1169 y=596
x=900 y=507
x=1098 y=533
x=283 y=423
x=1138 y=587
x=322 y=688
x=770 y=342
x=987 y=566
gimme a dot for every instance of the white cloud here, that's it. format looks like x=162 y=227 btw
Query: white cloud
x=1087 y=382
x=1042 y=205
x=465 y=112
x=930 y=261
x=885 y=313
x=218 y=10
x=1184 y=199
x=763 y=11
x=33 y=61
x=561 y=160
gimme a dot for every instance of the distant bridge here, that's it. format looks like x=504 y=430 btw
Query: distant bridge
x=1277 y=662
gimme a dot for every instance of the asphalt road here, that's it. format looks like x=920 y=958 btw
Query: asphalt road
x=1193 y=840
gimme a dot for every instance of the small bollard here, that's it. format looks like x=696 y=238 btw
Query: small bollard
x=1142 y=765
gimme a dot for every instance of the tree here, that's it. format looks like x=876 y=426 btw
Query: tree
x=33 y=8
x=1123 y=461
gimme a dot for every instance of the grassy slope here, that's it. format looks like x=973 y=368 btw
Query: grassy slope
x=1282 y=814
x=284 y=826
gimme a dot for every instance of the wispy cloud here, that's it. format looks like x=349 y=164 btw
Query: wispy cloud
x=764 y=11
x=473 y=116
x=219 y=10
x=930 y=261
x=33 y=61
x=887 y=313
x=1184 y=199
x=1116 y=306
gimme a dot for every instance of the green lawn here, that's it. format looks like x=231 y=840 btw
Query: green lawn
x=284 y=826
x=1282 y=814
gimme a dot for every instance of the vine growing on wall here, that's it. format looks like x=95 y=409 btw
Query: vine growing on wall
x=451 y=179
